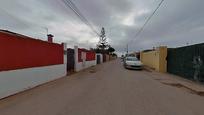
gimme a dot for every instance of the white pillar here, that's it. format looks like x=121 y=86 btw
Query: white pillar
x=65 y=53
x=65 y=58
x=75 y=58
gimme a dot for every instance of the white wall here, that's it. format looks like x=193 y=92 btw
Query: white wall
x=90 y=63
x=15 y=81
x=82 y=65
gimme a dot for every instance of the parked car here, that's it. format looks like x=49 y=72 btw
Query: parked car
x=132 y=63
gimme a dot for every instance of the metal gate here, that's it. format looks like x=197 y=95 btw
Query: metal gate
x=70 y=60
x=98 y=59
x=187 y=62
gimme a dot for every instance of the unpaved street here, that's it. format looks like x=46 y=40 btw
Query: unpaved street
x=107 y=89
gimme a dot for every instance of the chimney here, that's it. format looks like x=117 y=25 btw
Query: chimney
x=50 y=38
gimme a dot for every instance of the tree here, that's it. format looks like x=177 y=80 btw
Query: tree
x=114 y=55
x=111 y=50
x=103 y=44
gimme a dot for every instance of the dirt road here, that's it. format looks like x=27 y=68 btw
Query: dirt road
x=106 y=89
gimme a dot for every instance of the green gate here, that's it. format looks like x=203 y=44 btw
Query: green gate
x=187 y=62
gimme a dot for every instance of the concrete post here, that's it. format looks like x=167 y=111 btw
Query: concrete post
x=75 y=58
x=65 y=53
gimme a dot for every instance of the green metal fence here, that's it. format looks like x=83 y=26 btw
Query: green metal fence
x=187 y=62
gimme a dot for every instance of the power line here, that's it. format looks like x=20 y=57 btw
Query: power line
x=148 y=19
x=74 y=8
x=84 y=18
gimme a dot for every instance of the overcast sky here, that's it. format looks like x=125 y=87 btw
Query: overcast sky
x=176 y=23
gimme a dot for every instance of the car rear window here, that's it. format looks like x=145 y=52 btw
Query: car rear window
x=131 y=59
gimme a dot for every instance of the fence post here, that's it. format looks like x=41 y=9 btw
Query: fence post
x=65 y=53
x=65 y=56
x=76 y=58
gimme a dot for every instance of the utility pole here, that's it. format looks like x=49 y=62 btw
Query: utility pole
x=127 y=49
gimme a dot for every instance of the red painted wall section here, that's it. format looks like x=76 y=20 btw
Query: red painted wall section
x=80 y=55
x=90 y=56
x=18 y=52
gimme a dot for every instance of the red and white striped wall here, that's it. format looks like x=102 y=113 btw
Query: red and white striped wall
x=83 y=58
x=27 y=62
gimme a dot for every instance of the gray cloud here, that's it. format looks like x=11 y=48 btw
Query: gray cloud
x=175 y=24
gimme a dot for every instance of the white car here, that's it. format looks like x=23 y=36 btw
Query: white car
x=133 y=63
